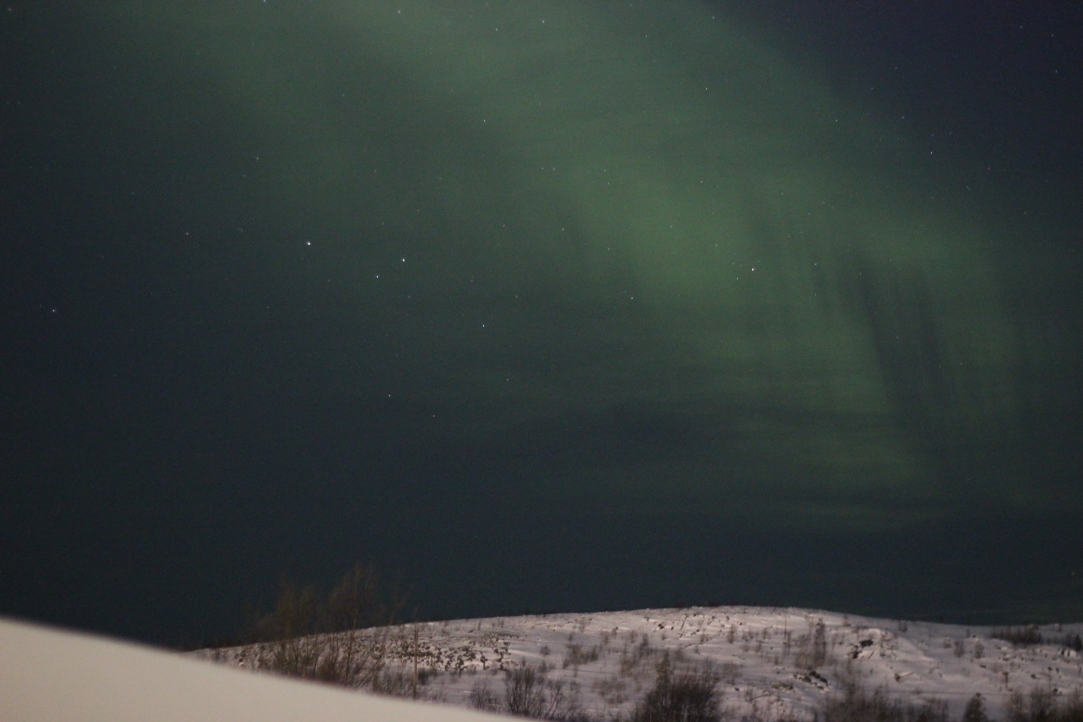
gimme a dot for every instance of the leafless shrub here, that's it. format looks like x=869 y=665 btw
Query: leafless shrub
x=484 y=698
x=1043 y=705
x=528 y=693
x=524 y=692
x=819 y=644
x=728 y=673
x=1019 y=636
x=854 y=704
x=327 y=640
x=689 y=696
x=812 y=648
x=613 y=690
x=402 y=683
x=576 y=656
x=975 y=710
x=632 y=660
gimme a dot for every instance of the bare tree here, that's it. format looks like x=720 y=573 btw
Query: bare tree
x=342 y=639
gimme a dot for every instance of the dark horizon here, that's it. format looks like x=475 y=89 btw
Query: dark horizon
x=540 y=308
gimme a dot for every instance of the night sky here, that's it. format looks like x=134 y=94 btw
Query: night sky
x=540 y=306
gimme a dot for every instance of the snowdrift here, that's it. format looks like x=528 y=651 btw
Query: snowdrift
x=52 y=675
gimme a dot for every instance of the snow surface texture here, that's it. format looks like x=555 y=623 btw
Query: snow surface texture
x=48 y=675
x=770 y=661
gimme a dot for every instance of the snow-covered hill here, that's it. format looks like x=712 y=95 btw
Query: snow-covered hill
x=772 y=662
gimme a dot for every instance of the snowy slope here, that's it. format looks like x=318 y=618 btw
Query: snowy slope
x=48 y=675
x=603 y=661
x=766 y=657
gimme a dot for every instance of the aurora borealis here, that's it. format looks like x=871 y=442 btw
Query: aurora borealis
x=526 y=300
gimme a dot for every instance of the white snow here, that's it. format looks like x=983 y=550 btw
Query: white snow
x=606 y=661
x=766 y=666
x=47 y=675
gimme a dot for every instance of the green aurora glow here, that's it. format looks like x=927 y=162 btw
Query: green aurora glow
x=637 y=218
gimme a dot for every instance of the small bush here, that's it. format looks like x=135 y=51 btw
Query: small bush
x=1019 y=636
x=326 y=640
x=728 y=673
x=632 y=661
x=483 y=698
x=1043 y=705
x=576 y=656
x=856 y=705
x=683 y=697
x=819 y=644
x=1073 y=641
x=524 y=692
x=975 y=710
x=528 y=693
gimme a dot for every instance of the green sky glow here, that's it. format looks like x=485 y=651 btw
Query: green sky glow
x=612 y=212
